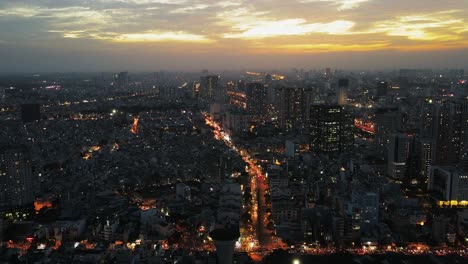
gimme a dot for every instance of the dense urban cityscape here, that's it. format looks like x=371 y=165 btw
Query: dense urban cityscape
x=233 y=131
x=171 y=167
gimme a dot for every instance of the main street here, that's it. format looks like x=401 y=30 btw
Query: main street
x=256 y=238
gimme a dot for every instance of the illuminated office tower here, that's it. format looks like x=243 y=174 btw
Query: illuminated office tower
x=427 y=156
x=16 y=181
x=331 y=129
x=293 y=108
x=256 y=98
x=448 y=133
x=464 y=129
x=445 y=122
x=208 y=86
x=429 y=118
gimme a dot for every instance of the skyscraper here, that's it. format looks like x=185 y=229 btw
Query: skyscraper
x=121 y=79
x=16 y=180
x=427 y=156
x=445 y=122
x=429 y=118
x=342 y=93
x=398 y=152
x=464 y=129
x=208 y=85
x=387 y=121
x=364 y=208
x=331 y=128
x=2 y=95
x=382 y=88
x=293 y=108
x=449 y=186
x=268 y=78
x=448 y=132
x=256 y=95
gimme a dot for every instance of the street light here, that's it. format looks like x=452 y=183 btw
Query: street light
x=296 y=261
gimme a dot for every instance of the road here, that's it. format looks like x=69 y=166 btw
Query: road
x=256 y=239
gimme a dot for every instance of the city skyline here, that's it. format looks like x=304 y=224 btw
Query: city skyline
x=233 y=131
x=239 y=167
x=145 y=35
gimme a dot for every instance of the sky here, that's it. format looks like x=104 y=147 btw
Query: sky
x=147 y=35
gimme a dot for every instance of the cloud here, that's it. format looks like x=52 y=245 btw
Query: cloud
x=341 y=4
x=19 y=12
x=178 y=36
x=289 y=27
x=190 y=9
x=441 y=26
x=145 y=2
x=148 y=36
x=323 y=47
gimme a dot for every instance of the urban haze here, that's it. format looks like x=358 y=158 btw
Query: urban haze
x=200 y=132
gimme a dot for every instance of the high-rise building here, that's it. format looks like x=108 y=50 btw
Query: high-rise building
x=382 y=88
x=331 y=129
x=208 y=86
x=387 y=121
x=2 y=95
x=427 y=156
x=328 y=73
x=429 y=118
x=398 y=151
x=454 y=73
x=268 y=78
x=220 y=95
x=121 y=79
x=256 y=99
x=448 y=133
x=412 y=176
x=464 y=129
x=445 y=122
x=342 y=92
x=30 y=112
x=441 y=229
x=448 y=185
x=195 y=89
x=292 y=149
x=16 y=181
x=167 y=92
x=237 y=122
x=293 y=108
x=365 y=208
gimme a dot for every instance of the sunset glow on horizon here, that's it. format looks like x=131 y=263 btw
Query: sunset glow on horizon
x=182 y=27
